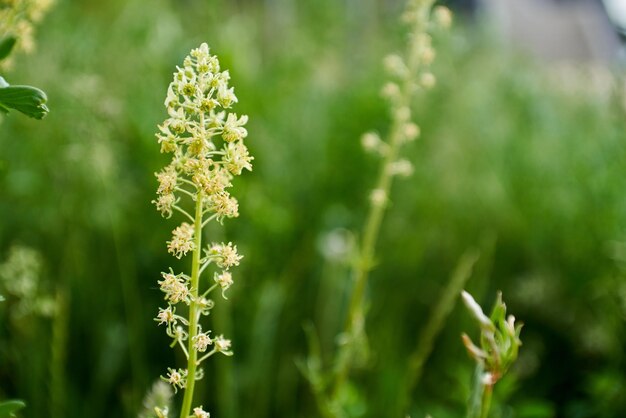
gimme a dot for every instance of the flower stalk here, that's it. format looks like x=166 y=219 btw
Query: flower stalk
x=206 y=143
x=410 y=74
x=192 y=354
x=498 y=350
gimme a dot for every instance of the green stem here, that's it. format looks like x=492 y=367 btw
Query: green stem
x=486 y=401
x=355 y=320
x=480 y=401
x=194 y=312
x=356 y=316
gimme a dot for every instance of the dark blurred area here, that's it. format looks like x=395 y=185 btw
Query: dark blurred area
x=522 y=156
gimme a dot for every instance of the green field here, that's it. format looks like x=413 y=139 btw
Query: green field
x=515 y=161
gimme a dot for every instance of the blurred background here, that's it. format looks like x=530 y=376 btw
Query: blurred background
x=522 y=156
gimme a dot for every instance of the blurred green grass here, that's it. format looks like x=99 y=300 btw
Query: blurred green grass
x=507 y=162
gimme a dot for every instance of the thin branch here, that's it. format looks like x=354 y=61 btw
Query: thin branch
x=210 y=218
x=180 y=342
x=184 y=212
x=184 y=180
x=187 y=192
x=204 y=266
x=209 y=290
x=206 y=356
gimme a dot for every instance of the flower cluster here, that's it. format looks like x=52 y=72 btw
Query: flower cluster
x=499 y=339
x=408 y=74
x=206 y=143
x=20 y=282
x=177 y=378
x=200 y=413
x=17 y=20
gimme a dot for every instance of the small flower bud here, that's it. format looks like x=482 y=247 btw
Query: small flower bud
x=182 y=240
x=164 y=204
x=176 y=378
x=226 y=97
x=371 y=142
x=224 y=280
x=223 y=204
x=222 y=345
x=395 y=66
x=200 y=413
x=428 y=80
x=237 y=158
x=390 y=91
x=378 y=197
x=233 y=129
x=205 y=305
x=477 y=311
x=179 y=334
x=411 y=131
x=175 y=288
x=166 y=316
x=403 y=114
x=201 y=342
x=428 y=55
x=167 y=180
x=401 y=168
x=443 y=16
x=476 y=353
x=225 y=255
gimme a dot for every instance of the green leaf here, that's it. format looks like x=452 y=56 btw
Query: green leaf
x=6 y=46
x=8 y=408
x=31 y=101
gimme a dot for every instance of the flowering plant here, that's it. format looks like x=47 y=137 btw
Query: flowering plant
x=499 y=346
x=206 y=142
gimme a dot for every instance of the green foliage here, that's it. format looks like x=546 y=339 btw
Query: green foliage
x=31 y=101
x=504 y=154
x=6 y=46
x=9 y=408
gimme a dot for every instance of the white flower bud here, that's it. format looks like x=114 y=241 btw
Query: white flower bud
x=411 y=131
x=428 y=80
x=371 y=142
x=476 y=311
x=182 y=240
x=390 y=91
x=378 y=197
x=442 y=16
x=403 y=114
x=222 y=345
x=428 y=55
x=402 y=168
x=201 y=342
x=200 y=413
x=395 y=66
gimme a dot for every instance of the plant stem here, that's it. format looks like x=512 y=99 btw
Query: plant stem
x=486 y=401
x=480 y=400
x=194 y=313
x=356 y=316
